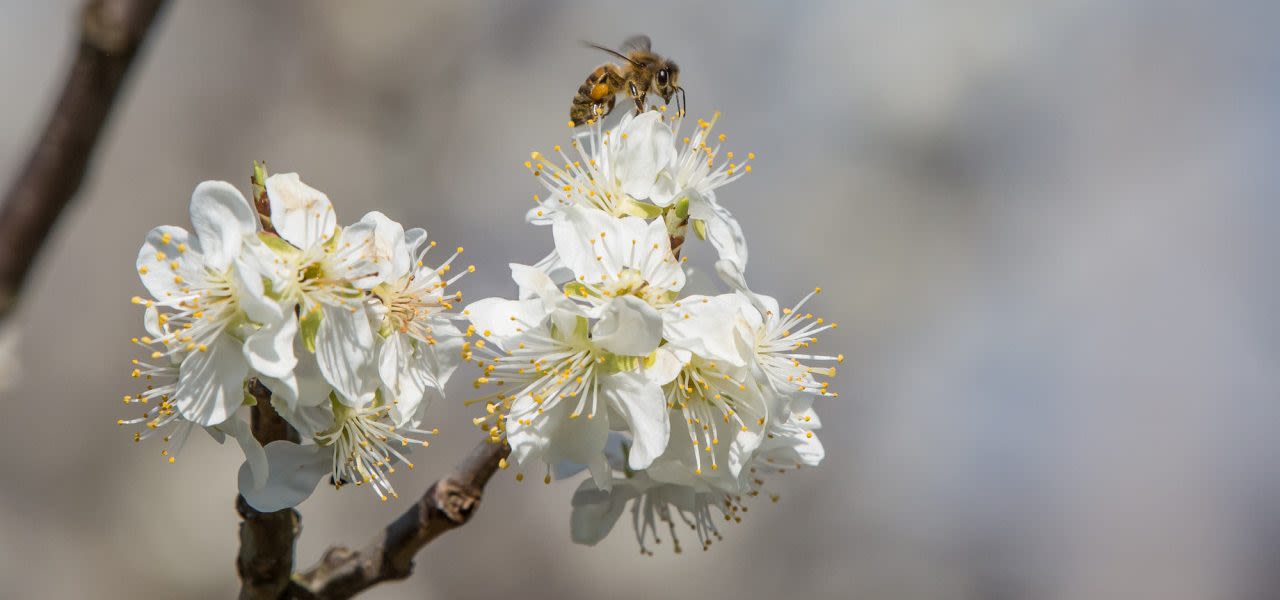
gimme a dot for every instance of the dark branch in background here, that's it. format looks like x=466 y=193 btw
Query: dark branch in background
x=266 y=539
x=448 y=503
x=111 y=31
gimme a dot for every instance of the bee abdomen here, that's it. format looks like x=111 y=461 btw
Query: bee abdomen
x=593 y=92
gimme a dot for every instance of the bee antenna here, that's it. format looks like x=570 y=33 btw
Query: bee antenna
x=610 y=51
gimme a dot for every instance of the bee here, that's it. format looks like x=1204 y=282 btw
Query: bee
x=641 y=72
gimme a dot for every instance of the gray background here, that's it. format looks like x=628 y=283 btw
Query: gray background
x=1045 y=228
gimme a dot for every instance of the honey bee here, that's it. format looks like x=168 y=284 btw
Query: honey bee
x=641 y=72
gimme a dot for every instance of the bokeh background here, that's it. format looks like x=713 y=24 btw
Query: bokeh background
x=1047 y=229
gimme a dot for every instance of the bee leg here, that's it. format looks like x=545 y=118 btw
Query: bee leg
x=604 y=108
x=640 y=103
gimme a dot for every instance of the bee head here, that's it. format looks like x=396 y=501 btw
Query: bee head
x=667 y=80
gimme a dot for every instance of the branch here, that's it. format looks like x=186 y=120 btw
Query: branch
x=448 y=503
x=111 y=31
x=266 y=539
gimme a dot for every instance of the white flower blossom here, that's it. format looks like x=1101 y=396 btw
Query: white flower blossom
x=220 y=321
x=347 y=326
x=642 y=167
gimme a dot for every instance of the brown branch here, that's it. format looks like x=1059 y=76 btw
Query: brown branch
x=266 y=539
x=448 y=503
x=111 y=31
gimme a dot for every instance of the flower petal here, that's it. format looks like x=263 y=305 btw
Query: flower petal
x=641 y=403
x=723 y=231
x=254 y=455
x=640 y=149
x=269 y=350
x=502 y=319
x=293 y=472
x=706 y=326
x=301 y=214
x=211 y=383
x=221 y=218
x=345 y=354
x=158 y=257
x=385 y=247
x=628 y=326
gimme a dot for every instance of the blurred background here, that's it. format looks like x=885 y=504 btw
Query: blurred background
x=1047 y=228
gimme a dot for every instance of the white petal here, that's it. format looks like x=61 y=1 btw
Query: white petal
x=301 y=214
x=640 y=149
x=666 y=365
x=385 y=247
x=345 y=354
x=503 y=319
x=706 y=326
x=577 y=231
x=628 y=326
x=642 y=405
x=656 y=262
x=415 y=239
x=723 y=231
x=284 y=392
x=251 y=293
x=211 y=383
x=402 y=374
x=221 y=218
x=534 y=282
x=254 y=455
x=269 y=350
x=293 y=472
x=159 y=254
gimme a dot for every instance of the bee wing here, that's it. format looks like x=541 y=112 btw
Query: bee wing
x=609 y=50
x=635 y=42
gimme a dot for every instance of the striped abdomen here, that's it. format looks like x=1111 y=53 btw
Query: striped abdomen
x=596 y=95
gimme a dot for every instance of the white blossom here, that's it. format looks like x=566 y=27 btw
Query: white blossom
x=218 y=318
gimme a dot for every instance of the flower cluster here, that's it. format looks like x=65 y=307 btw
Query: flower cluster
x=678 y=405
x=347 y=326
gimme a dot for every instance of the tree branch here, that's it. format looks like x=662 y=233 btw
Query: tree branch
x=448 y=503
x=111 y=31
x=266 y=539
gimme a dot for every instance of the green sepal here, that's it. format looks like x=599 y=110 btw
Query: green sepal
x=309 y=326
x=643 y=210
x=700 y=228
x=277 y=245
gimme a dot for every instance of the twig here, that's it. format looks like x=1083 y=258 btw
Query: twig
x=448 y=503
x=111 y=31
x=266 y=539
